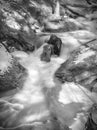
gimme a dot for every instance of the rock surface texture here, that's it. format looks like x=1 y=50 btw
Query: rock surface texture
x=81 y=67
x=12 y=73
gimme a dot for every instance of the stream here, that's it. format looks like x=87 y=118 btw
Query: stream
x=43 y=96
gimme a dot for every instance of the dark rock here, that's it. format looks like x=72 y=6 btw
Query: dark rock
x=19 y=41
x=47 y=51
x=81 y=67
x=12 y=74
x=53 y=48
x=91 y=123
x=56 y=43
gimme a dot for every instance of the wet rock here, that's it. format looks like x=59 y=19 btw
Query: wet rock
x=52 y=48
x=47 y=51
x=91 y=123
x=16 y=27
x=81 y=67
x=56 y=43
x=13 y=44
x=12 y=74
x=64 y=25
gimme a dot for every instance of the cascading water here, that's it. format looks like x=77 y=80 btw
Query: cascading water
x=43 y=97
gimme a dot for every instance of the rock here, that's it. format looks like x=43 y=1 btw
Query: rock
x=56 y=43
x=52 y=26
x=75 y=2
x=81 y=67
x=60 y=26
x=47 y=51
x=76 y=8
x=15 y=24
x=12 y=74
x=91 y=123
x=53 y=48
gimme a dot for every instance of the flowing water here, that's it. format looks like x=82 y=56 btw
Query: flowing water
x=42 y=95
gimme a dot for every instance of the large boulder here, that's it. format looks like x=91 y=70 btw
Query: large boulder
x=17 y=25
x=81 y=67
x=12 y=74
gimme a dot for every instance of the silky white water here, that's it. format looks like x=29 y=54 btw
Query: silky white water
x=42 y=95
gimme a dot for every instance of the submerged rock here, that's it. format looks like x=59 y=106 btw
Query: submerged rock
x=12 y=73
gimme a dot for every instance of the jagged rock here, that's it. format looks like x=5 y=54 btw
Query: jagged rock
x=16 y=27
x=17 y=17
x=56 y=43
x=12 y=74
x=81 y=67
